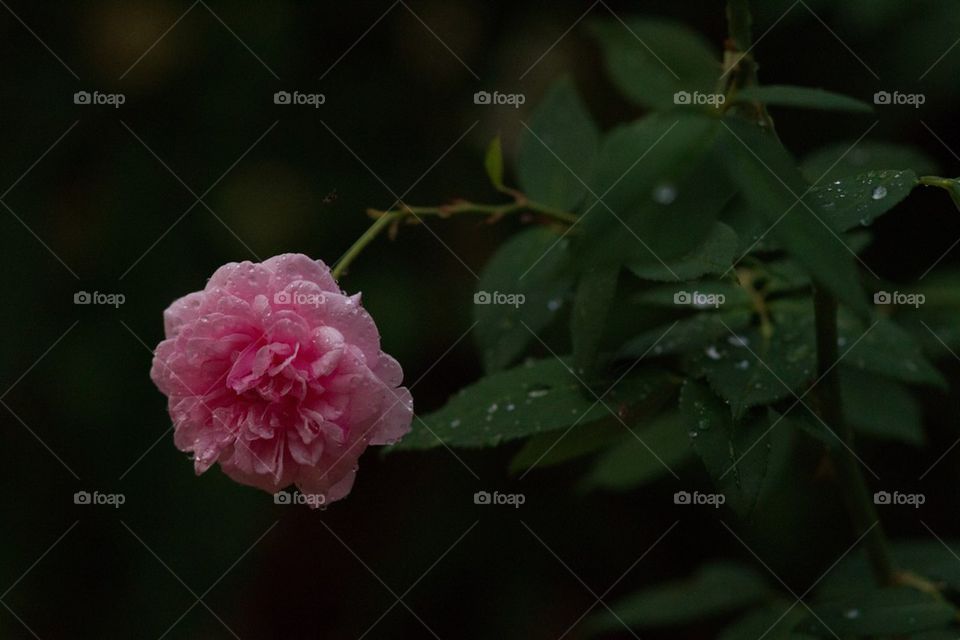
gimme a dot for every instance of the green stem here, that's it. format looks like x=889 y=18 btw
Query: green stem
x=739 y=66
x=740 y=24
x=937 y=181
x=372 y=232
x=950 y=185
x=384 y=219
x=863 y=512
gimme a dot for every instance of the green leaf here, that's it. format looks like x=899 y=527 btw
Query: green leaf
x=887 y=349
x=660 y=191
x=651 y=60
x=541 y=257
x=935 y=634
x=736 y=455
x=852 y=158
x=718 y=588
x=934 y=323
x=535 y=397
x=548 y=449
x=655 y=449
x=886 y=612
x=591 y=305
x=706 y=295
x=929 y=558
x=784 y=276
x=802 y=98
x=880 y=408
x=750 y=368
x=695 y=332
x=558 y=150
x=844 y=203
x=770 y=623
x=493 y=163
x=771 y=184
x=714 y=257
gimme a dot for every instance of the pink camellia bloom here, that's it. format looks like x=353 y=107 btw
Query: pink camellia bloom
x=276 y=374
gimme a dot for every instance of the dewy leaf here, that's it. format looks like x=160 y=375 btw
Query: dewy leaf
x=885 y=612
x=585 y=438
x=880 y=408
x=886 y=349
x=737 y=455
x=535 y=397
x=802 y=98
x=532 y=264
x=652 y=60
x=852 y=158
x=649 y=455
x=843 y=203
x=718 y=588
x=558 y=149
x=591 y=305
x=657 y=193
x=493 y=163
x=749 y=368
x=714 y=257
x=770 y=182
x=694 y=332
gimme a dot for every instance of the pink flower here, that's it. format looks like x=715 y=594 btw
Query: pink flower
x=276 y=374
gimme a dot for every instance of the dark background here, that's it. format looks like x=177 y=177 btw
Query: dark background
x=93 y=208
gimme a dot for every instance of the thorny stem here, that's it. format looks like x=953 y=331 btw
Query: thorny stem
x=862 y=511
x=742 y=70
x=393 y=217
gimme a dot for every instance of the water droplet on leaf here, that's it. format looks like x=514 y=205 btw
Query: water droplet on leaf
x=665 y=193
